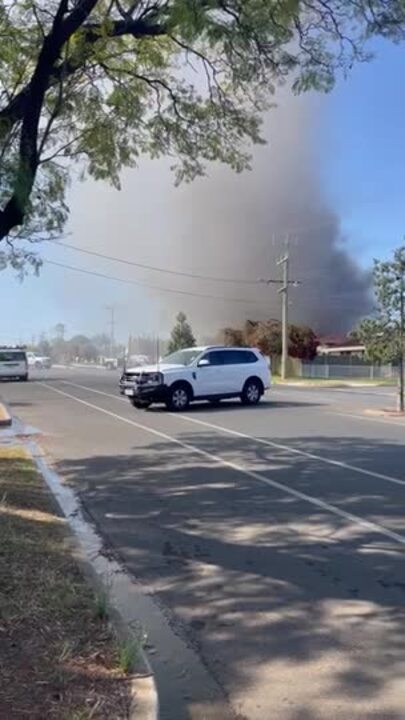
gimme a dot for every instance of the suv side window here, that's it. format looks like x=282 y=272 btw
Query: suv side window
x=12 y=356
x=250 y=357
x=215 y=357
x=239 y=357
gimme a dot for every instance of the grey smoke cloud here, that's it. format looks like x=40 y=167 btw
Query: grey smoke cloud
x=238 y=226
x=225 y=225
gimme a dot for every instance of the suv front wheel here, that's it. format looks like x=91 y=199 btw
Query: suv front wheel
x=179 y=397
x=252 y=392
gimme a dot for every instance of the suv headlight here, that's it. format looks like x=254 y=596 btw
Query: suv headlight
x=153 y=379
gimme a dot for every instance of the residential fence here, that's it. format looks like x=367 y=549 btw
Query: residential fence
x=334 y=369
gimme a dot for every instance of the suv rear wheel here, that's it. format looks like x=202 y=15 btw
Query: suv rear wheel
x=252 y=392
x=179 y=397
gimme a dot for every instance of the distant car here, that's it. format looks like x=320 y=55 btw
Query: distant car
x=136 y=360
x=110 y=363
x=133 y=361
x=201 y=373
x=40 y=362
x=13 y=363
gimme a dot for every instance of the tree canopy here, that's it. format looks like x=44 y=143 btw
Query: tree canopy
x=381 y=334
x=266 y=335
x=384 y=334
x=101 y=82
x=371 y=333
x=181 y=335
x=232 y=337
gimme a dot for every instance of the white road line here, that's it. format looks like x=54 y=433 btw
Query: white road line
x=326 y=404
x=295 y=451
x=356 y=519
x=270 y=443
x=383 y=421
x=120 y=398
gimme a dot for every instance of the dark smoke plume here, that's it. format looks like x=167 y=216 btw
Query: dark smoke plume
x=238 y=226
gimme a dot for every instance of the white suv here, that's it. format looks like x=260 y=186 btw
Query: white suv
x=40 y=362
x=13 y=363
x=201 y=373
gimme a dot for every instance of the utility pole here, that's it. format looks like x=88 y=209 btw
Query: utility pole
x=284 y=261
x=401 y=339
x=157 y=350
x=111 y=309
x=285 y=283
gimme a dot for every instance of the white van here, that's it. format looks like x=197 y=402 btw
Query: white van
x=13 y=363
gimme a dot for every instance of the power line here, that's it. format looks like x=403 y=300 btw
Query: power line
x=146 y=285
x=143 y=266
x=344 y=297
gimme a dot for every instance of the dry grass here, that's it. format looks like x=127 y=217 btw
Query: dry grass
x=333 y=382
x=58 y=658
x=3 y=412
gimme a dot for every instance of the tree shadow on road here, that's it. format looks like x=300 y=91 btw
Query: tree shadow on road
x=293 y=608
x=19 y=404
x=230 y=405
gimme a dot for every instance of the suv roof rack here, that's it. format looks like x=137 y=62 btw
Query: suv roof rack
x=13 y=347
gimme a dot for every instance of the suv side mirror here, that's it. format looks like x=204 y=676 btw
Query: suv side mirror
x=204 y=362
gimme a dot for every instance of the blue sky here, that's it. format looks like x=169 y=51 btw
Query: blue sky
x=361 y=154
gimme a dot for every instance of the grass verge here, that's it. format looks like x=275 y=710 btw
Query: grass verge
x=341 y=382
x=58 y=657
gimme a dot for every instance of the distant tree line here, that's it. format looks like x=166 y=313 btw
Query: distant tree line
x=80 y=348
x=263 y=334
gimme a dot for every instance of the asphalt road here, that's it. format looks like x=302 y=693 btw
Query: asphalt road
x=271 y=538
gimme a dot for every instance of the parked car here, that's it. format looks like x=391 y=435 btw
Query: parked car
x=110 y=363
x=40 y=362
x=201 y=373
x=13 y=363
x=136 y=361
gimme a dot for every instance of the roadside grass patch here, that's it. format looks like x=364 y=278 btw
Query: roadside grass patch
x=129 y=653
x=333 y=382
x=101 y=605
x=58 y=656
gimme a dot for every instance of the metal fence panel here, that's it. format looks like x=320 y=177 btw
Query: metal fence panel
x=332 y=371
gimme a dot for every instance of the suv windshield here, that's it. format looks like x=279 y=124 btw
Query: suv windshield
x=182 y=357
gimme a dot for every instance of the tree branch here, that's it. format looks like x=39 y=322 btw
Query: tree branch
x=62 y=28
x=14 y=111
